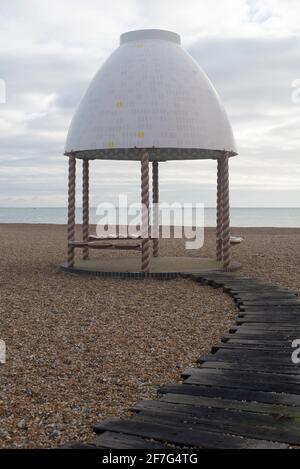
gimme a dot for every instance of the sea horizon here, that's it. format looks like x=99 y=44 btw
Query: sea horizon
x=256 y=217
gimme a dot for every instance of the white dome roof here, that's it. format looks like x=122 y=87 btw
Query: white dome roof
x=150 y=93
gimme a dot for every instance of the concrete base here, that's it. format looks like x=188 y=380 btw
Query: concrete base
x=160 y=267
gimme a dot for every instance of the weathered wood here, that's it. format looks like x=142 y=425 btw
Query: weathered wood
x=210 y=402
x=114 y=238
x=275 y=303
x=265 y=343
x=245 y=376
x=250 y=365
x=243 y=383
x=188 y=437
x=282 y=428
x=243 y=354
x=238 y=394
x=119 y=441
x=97 y=246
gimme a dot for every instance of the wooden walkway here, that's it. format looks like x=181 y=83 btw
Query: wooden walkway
x=244 y=394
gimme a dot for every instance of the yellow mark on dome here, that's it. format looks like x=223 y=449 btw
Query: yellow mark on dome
x=119 y=104
x=140 y=134
x=111 y=144
x=139 y=46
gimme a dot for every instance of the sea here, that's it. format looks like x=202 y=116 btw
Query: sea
x=240 y=217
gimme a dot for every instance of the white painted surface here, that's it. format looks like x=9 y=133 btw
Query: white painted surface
x=150 y=92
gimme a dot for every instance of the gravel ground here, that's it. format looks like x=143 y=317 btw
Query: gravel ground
x=81 y=349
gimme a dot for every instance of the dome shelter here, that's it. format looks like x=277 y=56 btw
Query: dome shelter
x=149 y=102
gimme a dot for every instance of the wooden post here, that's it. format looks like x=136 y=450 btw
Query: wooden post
x=71 y=208
x=226 y=213
x=145 y=211
x=219 y=231
x=85 y=207
x=155 y=189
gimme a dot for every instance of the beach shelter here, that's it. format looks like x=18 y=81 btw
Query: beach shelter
x=149 y=102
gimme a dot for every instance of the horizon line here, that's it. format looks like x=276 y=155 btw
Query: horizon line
x=80 y=207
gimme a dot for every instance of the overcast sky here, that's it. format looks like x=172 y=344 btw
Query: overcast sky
x=49 y=52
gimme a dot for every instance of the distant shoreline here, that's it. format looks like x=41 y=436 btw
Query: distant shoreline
x=240 y=217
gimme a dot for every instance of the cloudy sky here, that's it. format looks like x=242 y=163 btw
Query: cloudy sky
x=250 y=49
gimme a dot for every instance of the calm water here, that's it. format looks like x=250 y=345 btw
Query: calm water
x=241 y=217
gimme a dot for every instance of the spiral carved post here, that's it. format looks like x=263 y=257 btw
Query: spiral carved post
x=226 y=213
x=219 y=231
x=71 y=209
x=145 y=211
x=155 y=189
x=85 y=207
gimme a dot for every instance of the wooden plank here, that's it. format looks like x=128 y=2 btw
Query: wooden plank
x=259 y=309
x=243 y=383
x=279 y=327
x=252 y=366
x=120 y=441
x=255 y=407
x=275 y=312
x=265 y=343
x=260 y=319
x=246 y=376
x=261 y=335
x=263 y=356
x=263 y=297
x=188 y=437
x=262 y=348
x=282 y=428
x=241 y=394
x=276 y=303
x=262 y=288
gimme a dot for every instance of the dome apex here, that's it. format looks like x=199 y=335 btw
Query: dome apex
x=145 y=34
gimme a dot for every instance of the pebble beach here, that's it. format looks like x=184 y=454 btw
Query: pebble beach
x=83 y=349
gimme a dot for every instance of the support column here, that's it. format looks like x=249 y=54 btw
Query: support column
x=226 y=213
x=145 y=211
x=219 y=230
x=155 y=189
x=71 y=209
x=85 y=207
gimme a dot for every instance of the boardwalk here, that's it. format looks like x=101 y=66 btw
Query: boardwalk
x=244 y=394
